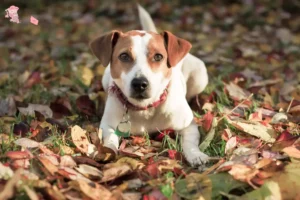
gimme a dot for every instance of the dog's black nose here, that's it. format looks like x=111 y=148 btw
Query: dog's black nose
x=139 y=85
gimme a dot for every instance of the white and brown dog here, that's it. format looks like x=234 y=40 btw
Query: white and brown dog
x=153 y=77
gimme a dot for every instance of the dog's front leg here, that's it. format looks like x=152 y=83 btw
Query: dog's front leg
x=110 y=139
x=190 y=142
x=112 y=116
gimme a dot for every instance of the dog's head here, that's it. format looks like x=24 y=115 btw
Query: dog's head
x=141 y=62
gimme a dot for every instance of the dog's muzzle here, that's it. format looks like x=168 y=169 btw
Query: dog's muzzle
x=139 y=88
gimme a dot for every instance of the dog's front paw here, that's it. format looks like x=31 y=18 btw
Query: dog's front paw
x=197 y=158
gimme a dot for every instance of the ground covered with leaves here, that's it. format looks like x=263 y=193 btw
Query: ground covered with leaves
x=51 y=103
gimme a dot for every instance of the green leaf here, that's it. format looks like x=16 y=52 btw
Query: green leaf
x=167 y=190
x=210 y=136
x=270 y=190
x=194 y=186
x=223 y=182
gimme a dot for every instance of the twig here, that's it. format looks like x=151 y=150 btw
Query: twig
x=236 y=107
x=290 y=105
x=214 y=167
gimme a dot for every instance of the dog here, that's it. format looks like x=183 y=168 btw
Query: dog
x=150 y=78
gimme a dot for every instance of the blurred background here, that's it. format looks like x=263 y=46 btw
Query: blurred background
x=40 y=63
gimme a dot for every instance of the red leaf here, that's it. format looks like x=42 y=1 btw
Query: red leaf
x=18 y=155
x=163 y=133
x=153 y=170
x=138 y=140
x=33 y=79
x=207 y=121
x=285 y=139
x=85 y=105
x=172 y=153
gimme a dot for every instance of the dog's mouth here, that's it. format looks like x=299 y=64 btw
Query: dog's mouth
x=140 y=96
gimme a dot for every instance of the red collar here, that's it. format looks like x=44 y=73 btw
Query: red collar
x=123 y=99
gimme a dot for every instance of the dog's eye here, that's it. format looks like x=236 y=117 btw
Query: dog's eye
x=158 y=57
x=124 y=57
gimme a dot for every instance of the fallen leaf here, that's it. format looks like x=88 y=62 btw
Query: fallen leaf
x=26 y=143
x=67 y=161
x=72 y=174
x=226 y=185
x=236 y=92
x=43 y=109
x=8 y=191
x=115 y=171
x=135 y=164
x=52 y=169
x=92 y=190
x=207 y=121
x=194 y=186
x=279 y=118
x=210 y=135
x=18 y=155
x=292 y=151
x=89 y=171
x=5 y=172
x=243 y=173
x=265 y=133
x=80 y=139
x=288 y=181
x=30 y=193
x=230 y=144
x=85 y=105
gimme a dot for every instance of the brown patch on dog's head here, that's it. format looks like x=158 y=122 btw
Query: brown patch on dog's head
x=124 y=45
x=156 y=45
x=176 y=47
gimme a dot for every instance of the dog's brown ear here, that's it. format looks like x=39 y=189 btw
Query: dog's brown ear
x=176 y=47
x=102 y=47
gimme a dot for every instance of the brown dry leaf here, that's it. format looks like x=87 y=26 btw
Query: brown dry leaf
x=67 y=161
x=288 y=181
x=265 y=82
x=89 y=171
x=236 y=92
x=292 y=151
x=26 y=143
x=72 y=174
x=43 y=109
x=168 y=165
x=18 y=155
x=66 y=150
x=92 y=190
x=243 y=173
x=8 y=190
x=48 y=165
x=80 y=139
x=135 y=164
x=295 y=110
x=266 y=133
x=114 y=171
x=230 y=144
x=30 y=193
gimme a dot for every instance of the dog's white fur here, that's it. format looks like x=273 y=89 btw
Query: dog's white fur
x=189 y=78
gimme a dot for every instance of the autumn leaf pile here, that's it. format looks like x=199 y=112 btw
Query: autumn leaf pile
x=52 y=100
